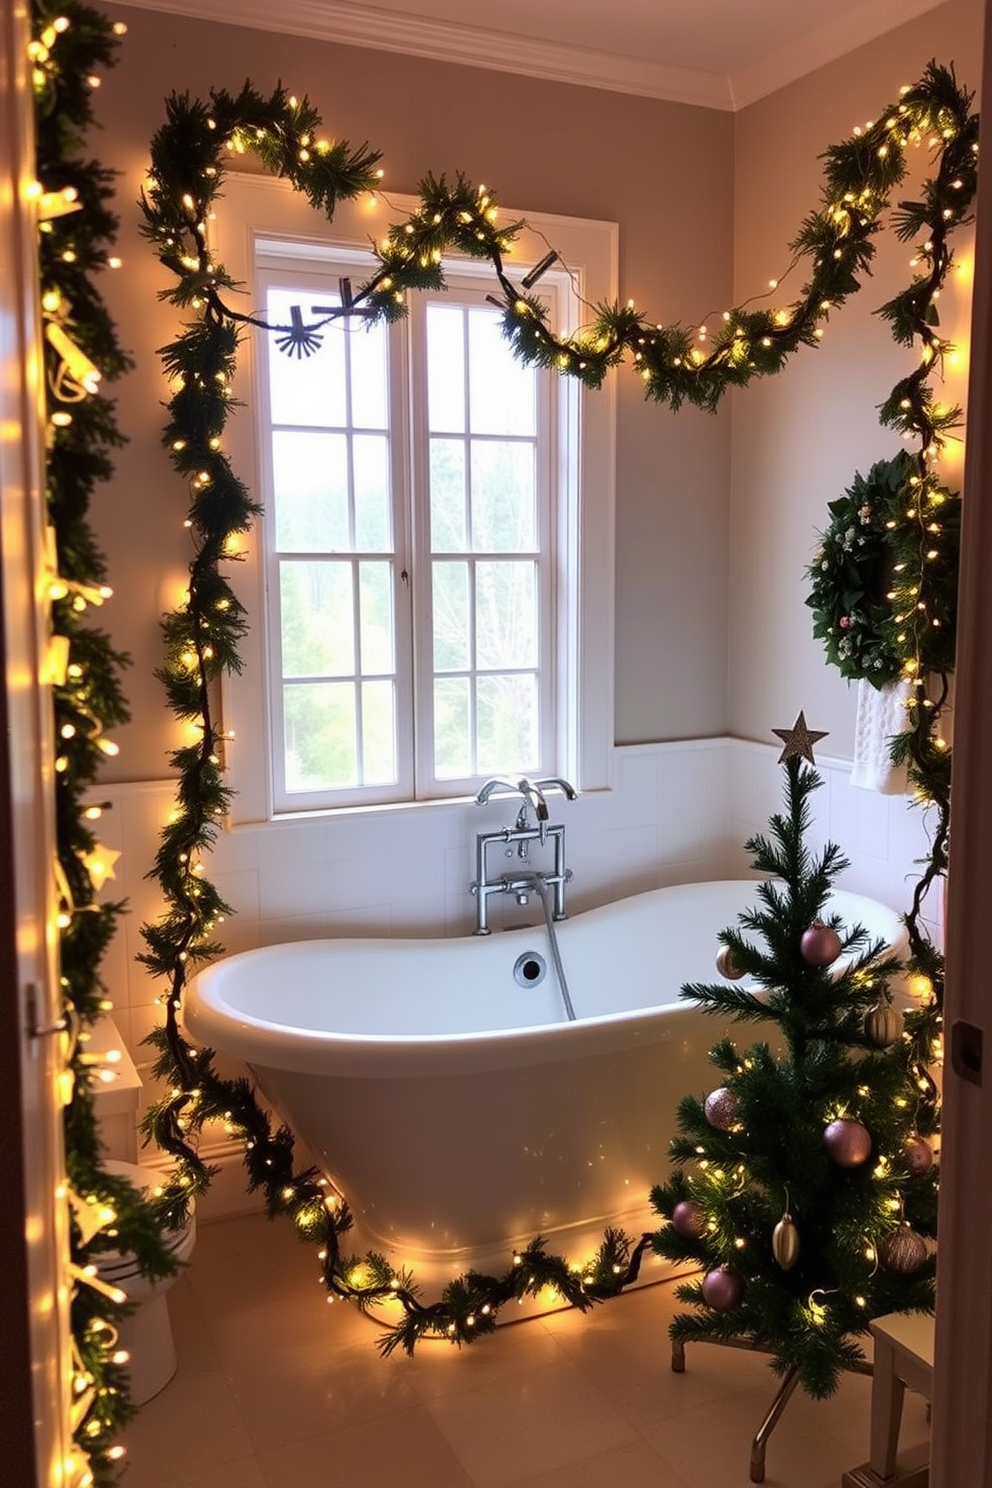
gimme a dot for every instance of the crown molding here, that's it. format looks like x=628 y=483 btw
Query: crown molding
x=473 y=46
x=466 y=46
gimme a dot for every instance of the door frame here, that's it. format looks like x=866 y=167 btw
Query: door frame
x=35 y=1361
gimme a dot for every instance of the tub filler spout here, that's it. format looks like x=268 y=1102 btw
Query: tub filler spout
x=522 y=834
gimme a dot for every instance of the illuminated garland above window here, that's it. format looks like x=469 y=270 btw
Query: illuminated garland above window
x=677 y=364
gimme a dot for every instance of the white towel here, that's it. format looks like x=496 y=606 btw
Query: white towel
x=881 y=713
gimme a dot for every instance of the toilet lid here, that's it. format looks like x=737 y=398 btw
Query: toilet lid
x=110 y=1263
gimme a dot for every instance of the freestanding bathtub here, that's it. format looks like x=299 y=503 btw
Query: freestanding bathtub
x=440 y=1087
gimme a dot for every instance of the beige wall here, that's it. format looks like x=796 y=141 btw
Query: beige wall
x=798 y=439
x=712 y=633
x=662 y=171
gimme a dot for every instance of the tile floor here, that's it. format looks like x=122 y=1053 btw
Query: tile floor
x=276 y=1389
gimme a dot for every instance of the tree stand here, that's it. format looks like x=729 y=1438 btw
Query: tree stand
x=774 y=1412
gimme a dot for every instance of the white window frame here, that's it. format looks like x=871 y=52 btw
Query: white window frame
x=263 y=207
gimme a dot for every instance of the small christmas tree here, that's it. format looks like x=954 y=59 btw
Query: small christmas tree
x=804 y=1185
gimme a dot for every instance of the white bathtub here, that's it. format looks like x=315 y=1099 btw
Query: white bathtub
x=459 y=1112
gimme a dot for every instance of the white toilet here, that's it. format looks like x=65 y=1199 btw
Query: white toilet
x=147 y=1332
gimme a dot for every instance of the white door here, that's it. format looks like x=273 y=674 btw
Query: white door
x=961 y=1452
x=34 y=1359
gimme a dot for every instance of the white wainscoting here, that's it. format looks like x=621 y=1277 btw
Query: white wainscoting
x=678 y=812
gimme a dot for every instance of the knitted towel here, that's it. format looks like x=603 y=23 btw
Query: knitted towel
x=881 y=713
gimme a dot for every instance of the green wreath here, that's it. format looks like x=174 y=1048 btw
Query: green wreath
x=884 y=579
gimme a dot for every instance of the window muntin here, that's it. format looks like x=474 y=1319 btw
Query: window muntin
x=489 y=545
x=338 y=699
x=397 y=574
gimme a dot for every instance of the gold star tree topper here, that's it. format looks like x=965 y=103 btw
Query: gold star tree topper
x=799 y=740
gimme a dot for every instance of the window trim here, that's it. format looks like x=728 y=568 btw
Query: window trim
x=265 y=207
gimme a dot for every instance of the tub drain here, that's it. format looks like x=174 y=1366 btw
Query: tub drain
x=530 y=969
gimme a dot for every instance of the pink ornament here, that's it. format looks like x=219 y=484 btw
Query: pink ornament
x=688 y=1220
x=918 y=1155
x=721 y=1107
x=848 y=1143
x=844 y=622
x=726 y=965
x=820 y=944
x=722 y=1289
x=904 y=1251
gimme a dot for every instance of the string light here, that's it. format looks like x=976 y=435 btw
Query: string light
x=676 y=370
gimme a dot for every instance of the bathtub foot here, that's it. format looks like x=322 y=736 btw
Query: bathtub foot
x=768 y=1425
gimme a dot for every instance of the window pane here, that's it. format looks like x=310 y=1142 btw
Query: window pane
x=448 y=496
x=370 y=454
x=367 y=345
x=320 y=735
x=306 y=390
x=375 y=598
x=507 y=725
x=318 y=621
x=445 y=369
x=310 y=481
x=378 y=733
x=502 y=390
x=503 y=515
x=452 y=724
x=506 y=615
x=452 y=625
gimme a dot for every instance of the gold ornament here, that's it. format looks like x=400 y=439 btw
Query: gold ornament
x=785 y=1242
x=726 y=965
x=883 y=1024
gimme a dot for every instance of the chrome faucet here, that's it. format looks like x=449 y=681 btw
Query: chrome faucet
x=532 y=792
x=528 y=789
x=523 y=832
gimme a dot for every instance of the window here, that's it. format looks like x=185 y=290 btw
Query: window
x=427 y=608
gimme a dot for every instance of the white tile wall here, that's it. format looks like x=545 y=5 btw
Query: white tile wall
x=883 y=837
x=678 y=812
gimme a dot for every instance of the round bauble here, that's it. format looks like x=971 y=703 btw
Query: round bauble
x=688 y=1220
x=820 y=944
x=785 y=1242
x=848 y=1143
x=918 y=1155
x=721 y=1107
x=722 y=1289
x=726 y=965
x=904 y=1251
x=883 y=1024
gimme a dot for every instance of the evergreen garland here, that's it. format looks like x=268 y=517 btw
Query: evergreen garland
x=884 y=582
x=106 y=1212
x=677 y=364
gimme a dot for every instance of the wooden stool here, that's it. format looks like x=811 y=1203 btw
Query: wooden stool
x=903 y=1356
